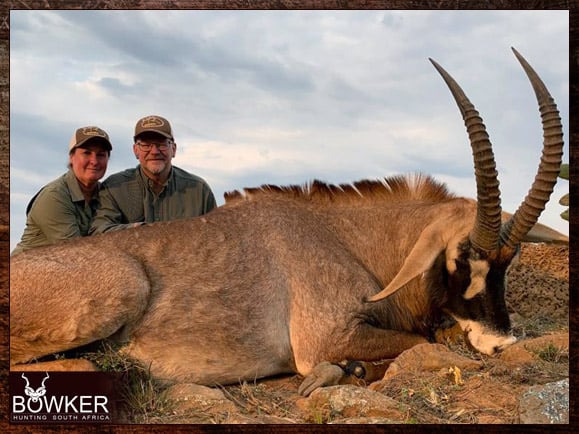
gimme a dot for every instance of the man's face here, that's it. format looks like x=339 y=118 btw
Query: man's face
x=155 y=153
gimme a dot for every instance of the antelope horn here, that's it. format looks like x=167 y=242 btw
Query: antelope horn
x=528 y=213
x=485 y=234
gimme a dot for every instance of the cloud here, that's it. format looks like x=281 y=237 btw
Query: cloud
x=281 y=97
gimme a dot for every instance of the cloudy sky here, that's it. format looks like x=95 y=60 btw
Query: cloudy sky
x=284 y=97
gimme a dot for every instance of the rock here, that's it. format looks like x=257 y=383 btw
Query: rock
x=528 y=350
x=545 y=404
x=516 y=354
x=188 y=396
x=65 y=365
x=333 y=403
x=559 y=341
x=190 y=390
x=429 y=357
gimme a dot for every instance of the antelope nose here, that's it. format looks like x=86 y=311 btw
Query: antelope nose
x=506 y=343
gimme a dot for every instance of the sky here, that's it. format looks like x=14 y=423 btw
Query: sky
x=286 y=97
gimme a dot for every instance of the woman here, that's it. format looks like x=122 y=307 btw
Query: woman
x=65 y=207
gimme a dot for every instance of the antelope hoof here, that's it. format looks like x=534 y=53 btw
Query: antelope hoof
x=324 y=374
x=354 y=368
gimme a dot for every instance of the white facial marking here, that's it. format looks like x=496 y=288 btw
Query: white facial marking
x=485 y=341
x=451 y=256
x=478 y=275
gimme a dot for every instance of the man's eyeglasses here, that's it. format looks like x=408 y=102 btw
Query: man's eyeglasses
x=147 y=146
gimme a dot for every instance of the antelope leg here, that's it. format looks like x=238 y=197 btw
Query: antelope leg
x=324 y=374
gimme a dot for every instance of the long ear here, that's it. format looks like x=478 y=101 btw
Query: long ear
x=431 y=242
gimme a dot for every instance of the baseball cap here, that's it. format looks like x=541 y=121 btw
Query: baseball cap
x=154 y=124
x=84 y=134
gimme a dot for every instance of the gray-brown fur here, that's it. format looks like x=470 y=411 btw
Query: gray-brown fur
x=256 y=287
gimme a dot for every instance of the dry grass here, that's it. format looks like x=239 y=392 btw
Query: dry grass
x=143 y=399
x=433 y=397
x=537 y=326
x=261 y=398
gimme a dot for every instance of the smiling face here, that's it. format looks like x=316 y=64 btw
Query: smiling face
x=155 y=153
x=89 y=162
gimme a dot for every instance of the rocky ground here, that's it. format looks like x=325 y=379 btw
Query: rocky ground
x=444 y=383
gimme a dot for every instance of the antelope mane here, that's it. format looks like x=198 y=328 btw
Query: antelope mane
x=416 y=187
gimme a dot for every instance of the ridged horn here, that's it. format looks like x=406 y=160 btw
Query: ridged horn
x=528 y=213
x=485 y=233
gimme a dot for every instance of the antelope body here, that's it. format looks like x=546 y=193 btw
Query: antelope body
x=281 y=279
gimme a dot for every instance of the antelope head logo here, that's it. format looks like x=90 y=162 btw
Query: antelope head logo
x=35 y=395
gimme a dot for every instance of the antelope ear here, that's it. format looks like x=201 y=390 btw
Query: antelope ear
x=432 y=241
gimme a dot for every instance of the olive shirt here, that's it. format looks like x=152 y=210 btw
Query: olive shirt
x=127 y=197
x=57 y=212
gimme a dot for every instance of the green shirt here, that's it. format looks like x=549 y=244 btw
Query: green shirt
x=57 y=212
x=127 y=197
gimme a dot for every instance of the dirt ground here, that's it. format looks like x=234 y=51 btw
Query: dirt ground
x=448 y=383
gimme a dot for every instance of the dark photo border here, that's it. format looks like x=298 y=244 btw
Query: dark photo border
x=5 y=8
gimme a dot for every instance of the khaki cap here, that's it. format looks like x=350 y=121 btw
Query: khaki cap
x=84 y=134
x=154 y=124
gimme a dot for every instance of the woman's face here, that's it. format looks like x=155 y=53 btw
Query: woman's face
x=89 y=163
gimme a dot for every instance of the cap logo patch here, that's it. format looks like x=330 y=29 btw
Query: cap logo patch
x=94 y=131
x=152 y=122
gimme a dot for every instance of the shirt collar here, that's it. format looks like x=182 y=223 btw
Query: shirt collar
x=75 y=191
x=149 y=183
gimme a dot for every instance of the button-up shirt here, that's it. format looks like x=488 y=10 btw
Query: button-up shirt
x=127 y=197
x=57 y=212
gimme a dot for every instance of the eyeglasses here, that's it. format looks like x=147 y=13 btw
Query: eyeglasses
x=147 y=146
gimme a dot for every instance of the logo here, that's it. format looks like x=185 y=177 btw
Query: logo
x=62 y=397
x=94 y=131
x=35 y=395
x=152 y=122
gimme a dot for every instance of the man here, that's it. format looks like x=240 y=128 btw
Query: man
x=155 y=190
x=65 y=207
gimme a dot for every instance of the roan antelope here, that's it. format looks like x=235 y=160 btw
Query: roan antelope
x=281 y=279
